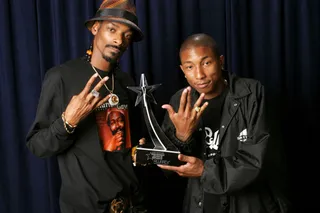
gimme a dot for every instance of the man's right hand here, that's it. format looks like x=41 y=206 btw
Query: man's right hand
x=187 y=118
x=84 y=103
x=115 y=142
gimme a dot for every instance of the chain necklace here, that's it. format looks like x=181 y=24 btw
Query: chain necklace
x=114 y=99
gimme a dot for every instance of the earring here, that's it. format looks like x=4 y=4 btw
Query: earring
x=89 y=53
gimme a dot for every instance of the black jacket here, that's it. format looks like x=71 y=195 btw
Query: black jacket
x=89 y=182
x=235 y=175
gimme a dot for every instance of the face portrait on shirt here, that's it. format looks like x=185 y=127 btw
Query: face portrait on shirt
x=116 y=122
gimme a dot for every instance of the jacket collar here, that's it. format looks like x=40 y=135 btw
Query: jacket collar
x=237 y=86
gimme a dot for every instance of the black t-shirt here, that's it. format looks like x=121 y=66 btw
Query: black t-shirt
x=113 y=120
x=211 y=118
x=211 y=122
x=114 y=128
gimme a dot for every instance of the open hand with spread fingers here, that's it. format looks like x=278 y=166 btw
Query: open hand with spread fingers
x=81 y=105
x=187 y=117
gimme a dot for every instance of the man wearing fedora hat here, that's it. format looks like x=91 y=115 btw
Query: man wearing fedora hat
x=71 y=119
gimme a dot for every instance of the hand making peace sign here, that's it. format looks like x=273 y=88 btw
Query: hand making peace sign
x=187 y=117
x=85 y=102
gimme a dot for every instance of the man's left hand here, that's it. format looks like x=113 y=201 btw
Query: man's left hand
x=193 y=168
x=142 y=141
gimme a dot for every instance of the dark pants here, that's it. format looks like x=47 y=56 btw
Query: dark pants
x=117 y=205
x=123 y=205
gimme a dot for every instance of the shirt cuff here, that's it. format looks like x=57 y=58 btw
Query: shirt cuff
x=58 y=126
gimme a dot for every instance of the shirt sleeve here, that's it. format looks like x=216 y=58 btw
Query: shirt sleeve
x=228 y=174
x=47 y=136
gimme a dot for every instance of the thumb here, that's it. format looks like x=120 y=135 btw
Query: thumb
x=142 y=141
x=169 y=109
x=187 y=159
x=184 y=158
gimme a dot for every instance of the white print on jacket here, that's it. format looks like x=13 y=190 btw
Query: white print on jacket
x=212 y=140
x=243 y=136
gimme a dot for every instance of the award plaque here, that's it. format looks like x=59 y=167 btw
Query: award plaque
x=162 y=150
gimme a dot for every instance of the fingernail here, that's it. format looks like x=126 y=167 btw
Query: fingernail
x=95 y=75
x=106 y=78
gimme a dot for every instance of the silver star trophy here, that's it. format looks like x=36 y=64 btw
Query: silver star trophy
x=162 y=150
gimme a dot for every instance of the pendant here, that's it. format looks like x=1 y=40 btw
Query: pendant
x=113 y=100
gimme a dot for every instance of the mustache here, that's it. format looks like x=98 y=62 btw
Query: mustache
x=114 y=46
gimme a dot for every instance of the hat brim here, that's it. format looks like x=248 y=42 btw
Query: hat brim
x=137 y=35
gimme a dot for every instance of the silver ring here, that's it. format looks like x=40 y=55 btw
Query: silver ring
x=197 y=109
x=95 y=93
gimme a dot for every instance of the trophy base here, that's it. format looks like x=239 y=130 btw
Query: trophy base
x=155 y=156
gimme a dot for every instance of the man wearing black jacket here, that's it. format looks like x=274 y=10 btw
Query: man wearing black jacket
x=219 y=124
x=71 y=120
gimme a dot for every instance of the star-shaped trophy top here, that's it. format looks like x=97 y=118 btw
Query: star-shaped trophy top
x=144 y=88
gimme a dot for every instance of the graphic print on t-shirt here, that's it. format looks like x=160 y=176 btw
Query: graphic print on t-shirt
x=114 y=128
x=212 y=142
x=211 y=118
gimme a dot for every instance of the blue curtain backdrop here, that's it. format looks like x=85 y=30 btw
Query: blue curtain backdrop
x=274 y=41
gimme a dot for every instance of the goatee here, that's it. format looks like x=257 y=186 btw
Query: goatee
x=110 y=59
x=115 y=56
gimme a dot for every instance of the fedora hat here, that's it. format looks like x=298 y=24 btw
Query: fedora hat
x=121 y=11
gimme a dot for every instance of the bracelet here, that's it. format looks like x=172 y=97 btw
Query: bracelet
x=68 y=127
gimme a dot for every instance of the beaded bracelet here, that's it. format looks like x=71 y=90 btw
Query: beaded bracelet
x=68 y=127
